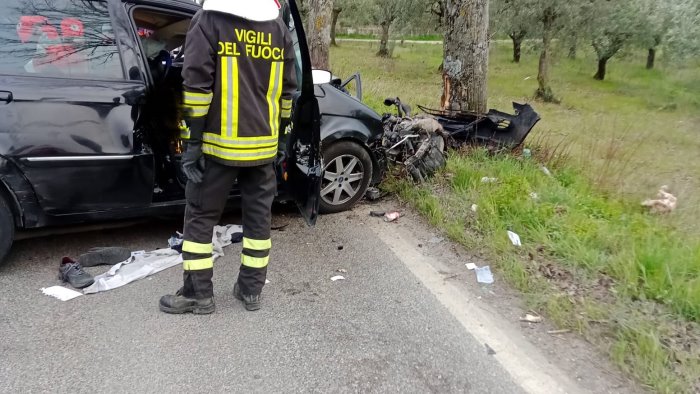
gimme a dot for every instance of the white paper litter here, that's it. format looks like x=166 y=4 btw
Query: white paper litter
x=471 y=266
x=489 y=180
x=484 y=275
x=337 y=278
x=534 y=196
x=531 y=318
x=474 y=207
x=514 y=238
x=267 y=281
x=60 y=292
x=546 y=171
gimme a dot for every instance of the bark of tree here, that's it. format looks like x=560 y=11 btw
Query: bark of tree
x=517 y=44
x=319 y=32
x=384 y=41
x=544 y=91
x=573 y=46
x=602 y=66
x=651 y=58
x=334 y=23
x=466 y=55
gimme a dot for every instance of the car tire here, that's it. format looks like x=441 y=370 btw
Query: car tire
x=7 y=228
x=347 y=174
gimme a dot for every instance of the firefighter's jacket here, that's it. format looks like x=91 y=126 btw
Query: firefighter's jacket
x=239 y=79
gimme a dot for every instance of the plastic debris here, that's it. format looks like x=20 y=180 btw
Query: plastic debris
x=377 y=214
x=373 y=194
x=534 y=196
x=489 y=180
x=475 y=207
x=267 y=281
x=392 y=216
x=471 y=266
x=527 y=153
x=546 y=171
x=337 y=278
x=484 y=275
x=60 y=292
x=532 y=318
x=664 y=203
x=514 y=238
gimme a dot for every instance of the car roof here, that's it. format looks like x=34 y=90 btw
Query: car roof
x=188 y=4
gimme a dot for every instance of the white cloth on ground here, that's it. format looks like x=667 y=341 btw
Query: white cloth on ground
x=222 y=237
x=137 y=267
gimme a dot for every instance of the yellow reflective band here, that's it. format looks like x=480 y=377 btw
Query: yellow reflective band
x=274 y=91
x=254 y=262
x=229 y=96
x=241 y=142
x=184 y=131
x=198 y=111
x=198 y=265
x=286 y=113
x=255 y=244
x=286 y=104
x=193 y=247
x=190 y=98
x=239 y=154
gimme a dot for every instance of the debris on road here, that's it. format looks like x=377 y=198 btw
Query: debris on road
x=484 y=275
x=471 y=266
x=664 y=203
x=514 y=238
x=557 y=332
x=489 y=180
x=61 y=293
x=267 y=281
x=340 y=247
x=377 y=214
x=137 y=267
x=546 y=171
x=529 y=318
x=392 y=216
x=474 y=207
x=373 y=194
x=337 y=278
x=342 y=270
x=489 y=350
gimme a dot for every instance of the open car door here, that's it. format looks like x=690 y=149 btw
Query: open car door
x=304 y=166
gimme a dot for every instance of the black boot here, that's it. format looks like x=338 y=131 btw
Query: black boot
x=179 y=304
x=252 y=302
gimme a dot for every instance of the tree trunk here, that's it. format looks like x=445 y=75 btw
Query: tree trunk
x=544 y=91
x=334 y=23
x=466 y=55
x=573 y=46
x=602 y=64
x=517 y=44
x=319 y=32
x=651 y=58
x=384 y=42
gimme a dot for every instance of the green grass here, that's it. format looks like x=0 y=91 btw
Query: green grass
x=625 y=279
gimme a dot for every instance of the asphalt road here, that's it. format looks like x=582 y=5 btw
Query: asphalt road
x=380 y=330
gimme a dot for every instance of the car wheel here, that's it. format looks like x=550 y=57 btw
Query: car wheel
x=7 y=228
x=348 y=172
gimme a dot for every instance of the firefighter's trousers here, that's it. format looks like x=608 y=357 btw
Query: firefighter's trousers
x=205 y=204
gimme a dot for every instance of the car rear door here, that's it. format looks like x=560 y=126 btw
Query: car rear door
x=67 y=111
x=304 y=165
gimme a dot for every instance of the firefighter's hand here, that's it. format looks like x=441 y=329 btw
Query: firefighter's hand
x=193 y=162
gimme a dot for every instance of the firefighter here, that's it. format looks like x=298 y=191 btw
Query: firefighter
x=239 y=78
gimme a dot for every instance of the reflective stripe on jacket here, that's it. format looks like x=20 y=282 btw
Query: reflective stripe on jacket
x=240 y=76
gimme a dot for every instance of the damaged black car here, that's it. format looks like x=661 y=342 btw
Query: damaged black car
x=89 y=92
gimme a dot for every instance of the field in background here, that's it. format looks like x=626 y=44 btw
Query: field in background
x=630 y=134
x=592 y=260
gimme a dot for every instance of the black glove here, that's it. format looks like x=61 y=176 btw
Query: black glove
x=193 y=162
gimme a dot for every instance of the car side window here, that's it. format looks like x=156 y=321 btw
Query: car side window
x=61 y=38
